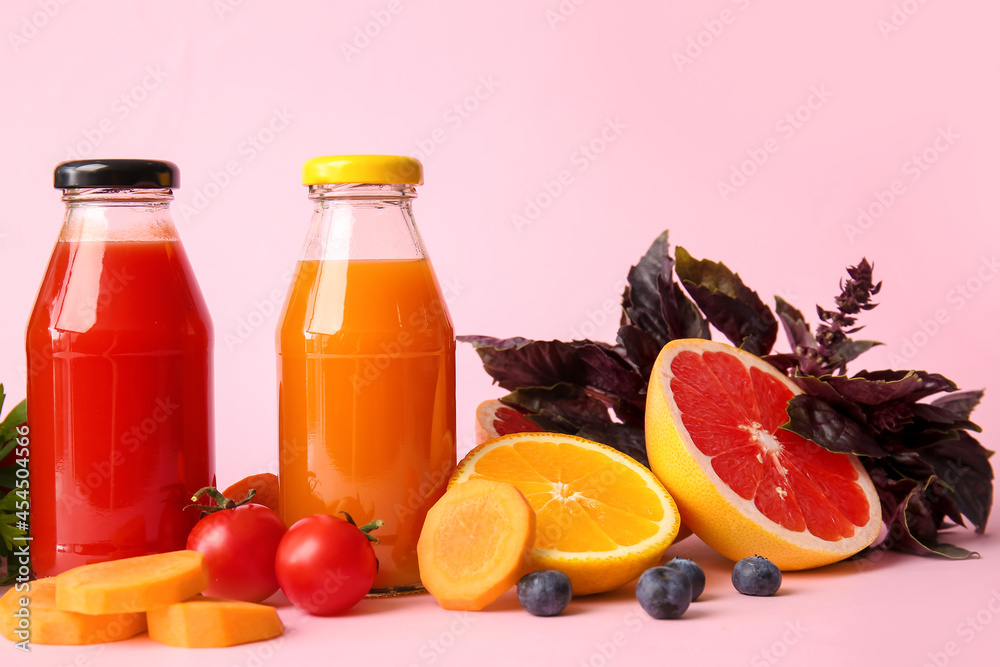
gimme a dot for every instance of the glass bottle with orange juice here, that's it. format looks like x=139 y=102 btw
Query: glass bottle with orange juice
x=366 y=363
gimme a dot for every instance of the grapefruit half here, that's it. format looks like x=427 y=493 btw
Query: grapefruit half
x=742 y=484
x=494 y=419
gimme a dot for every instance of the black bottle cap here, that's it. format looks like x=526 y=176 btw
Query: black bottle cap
x=117 y=174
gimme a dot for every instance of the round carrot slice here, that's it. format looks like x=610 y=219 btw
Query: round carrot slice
x=475 y=544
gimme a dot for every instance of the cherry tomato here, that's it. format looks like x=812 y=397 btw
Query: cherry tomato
x=239 y=546
x=325 y=565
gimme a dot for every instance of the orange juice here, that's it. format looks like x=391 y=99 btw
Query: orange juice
x=367 y=401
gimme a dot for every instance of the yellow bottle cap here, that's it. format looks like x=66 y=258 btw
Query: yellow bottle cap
x=376 y=169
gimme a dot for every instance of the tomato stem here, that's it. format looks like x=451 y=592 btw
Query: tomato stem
x=367 y=528
x=221 y=501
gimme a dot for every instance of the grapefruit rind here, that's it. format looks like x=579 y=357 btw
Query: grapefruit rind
x=730 y=524
x=596 y=571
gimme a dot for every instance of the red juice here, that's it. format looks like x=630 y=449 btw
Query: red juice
x=119 y=402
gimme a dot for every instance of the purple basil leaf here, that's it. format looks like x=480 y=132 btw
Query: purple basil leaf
x=922 y=527
x=912 y=524
x=877 y=387
x=962 y=465
x=786 y=363
x=568 y=409
x=960 y=404
x=682 y=316
x=850 y=350
x=942 y=499
x=938 y=415
x=568 y=401
x=641 y=348
x=795 y=326
x=641 y=300
x=598 y=367
x=818 y=421
x=821 y=388
x=730 y=306
x=628 y=440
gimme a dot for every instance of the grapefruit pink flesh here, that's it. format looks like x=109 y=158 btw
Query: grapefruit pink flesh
x=733 y=417
x=494 y=419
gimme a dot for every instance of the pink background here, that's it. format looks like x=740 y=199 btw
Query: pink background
x=532 y=236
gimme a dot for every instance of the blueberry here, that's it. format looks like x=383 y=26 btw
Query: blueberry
x=756 y=575
x=545 y=592
x=663 y=592
x=693 y=572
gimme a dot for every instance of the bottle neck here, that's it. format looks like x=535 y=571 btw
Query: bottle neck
x=362 y=221
x=118 y=214
x=389 y=195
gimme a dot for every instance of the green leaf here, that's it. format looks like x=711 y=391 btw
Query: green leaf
x=9 y=530
x=730 y=306
x=8 y=477
x=17 y=416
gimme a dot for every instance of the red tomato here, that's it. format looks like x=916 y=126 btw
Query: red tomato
x=325 y=564
x=239 y=546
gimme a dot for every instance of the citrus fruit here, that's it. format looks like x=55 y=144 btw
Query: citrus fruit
x=742 y=484
x=494 y=419
x=601 y=517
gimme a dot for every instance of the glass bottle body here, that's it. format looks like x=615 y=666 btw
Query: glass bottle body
x=120 y=412
x=366 y=367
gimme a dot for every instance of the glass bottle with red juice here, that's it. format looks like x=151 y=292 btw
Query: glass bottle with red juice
x=119 y=373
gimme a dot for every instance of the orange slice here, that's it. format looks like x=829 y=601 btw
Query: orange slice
x=600 y=516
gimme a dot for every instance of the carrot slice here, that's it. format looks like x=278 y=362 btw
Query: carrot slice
x=32 y=616
x=211 y=622
x=266 y=485
x=132 y=584
x=475 y=543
